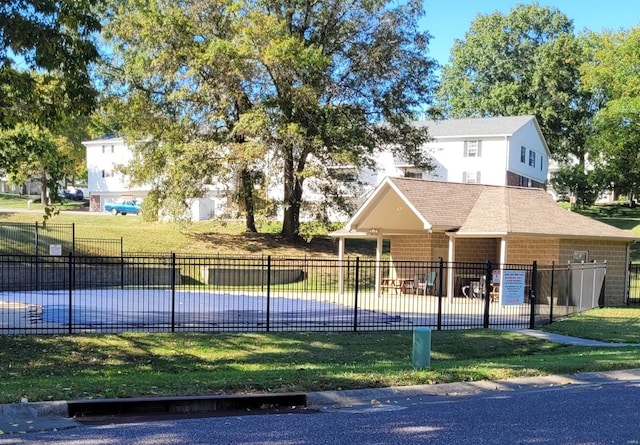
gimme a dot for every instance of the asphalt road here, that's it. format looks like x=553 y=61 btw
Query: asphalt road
x=603 y=413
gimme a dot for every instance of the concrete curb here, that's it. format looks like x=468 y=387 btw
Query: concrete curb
x=364 y=397
x=32 y=410
x=49 y=416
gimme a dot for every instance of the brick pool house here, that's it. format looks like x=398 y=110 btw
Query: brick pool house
x=427 y=220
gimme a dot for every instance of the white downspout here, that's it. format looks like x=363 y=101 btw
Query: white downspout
x=341 y=242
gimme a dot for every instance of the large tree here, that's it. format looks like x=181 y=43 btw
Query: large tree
x=46 y=49
x=612 y=75
x=51 y=39
x=211 y=85
x=524 y=62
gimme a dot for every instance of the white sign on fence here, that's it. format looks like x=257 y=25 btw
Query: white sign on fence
x=513 y=287
x=55 y=249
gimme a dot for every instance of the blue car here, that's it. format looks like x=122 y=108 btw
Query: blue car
x=123 y=207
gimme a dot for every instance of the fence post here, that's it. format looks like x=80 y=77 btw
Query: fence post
x=553 y=276
x=121 y=265
x=486 y=293
x=36 y=251
x=36 y=240
x=71 y=278
x=268 y=293
x=173 y=291
x=532 y=295
x=355 y=298
x=73 y=236
x=440 y=283
x=628 y=292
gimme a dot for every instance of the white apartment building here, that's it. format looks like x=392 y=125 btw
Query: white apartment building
x=107 y=185
x=493 y=151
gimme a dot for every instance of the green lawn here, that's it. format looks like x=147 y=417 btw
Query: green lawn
x=128 y=365
x=223 y=237
x=619 y=216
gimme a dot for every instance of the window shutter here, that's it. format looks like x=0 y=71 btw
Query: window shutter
x=466 y=149
x=479 y=148
x=478 y=177
x=464 y=176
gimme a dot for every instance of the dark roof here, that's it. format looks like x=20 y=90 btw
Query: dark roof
x=487 y=126
x=481 y=210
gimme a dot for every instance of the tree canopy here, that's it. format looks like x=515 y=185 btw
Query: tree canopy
x=46 y=49
x=525 y=62
x=612 y=75
x=51 y=39
x=209 y=86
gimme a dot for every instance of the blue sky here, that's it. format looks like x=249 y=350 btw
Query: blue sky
x=447 y=20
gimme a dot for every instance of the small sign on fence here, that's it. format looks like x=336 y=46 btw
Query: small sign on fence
x=513 y=287
x=55 y=249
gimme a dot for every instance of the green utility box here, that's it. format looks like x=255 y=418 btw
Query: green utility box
x=421 y=347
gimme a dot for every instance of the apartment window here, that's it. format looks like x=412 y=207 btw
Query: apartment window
x=472 y=177
x=472 y=149
x=112 y=149
x=106 y=173
x=413 y=174
x=347 y=176
x=523 y=154
x=104 y=149
x=532 y=158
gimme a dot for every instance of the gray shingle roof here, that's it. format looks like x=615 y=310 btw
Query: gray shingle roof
x=475 y=127
x=476 y=210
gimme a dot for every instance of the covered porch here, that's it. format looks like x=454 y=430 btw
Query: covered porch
x=431 y=220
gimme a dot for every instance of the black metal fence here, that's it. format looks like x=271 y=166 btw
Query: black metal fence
x=170 y=293
x=53 y=239
x=36 y=239
x=634 y=284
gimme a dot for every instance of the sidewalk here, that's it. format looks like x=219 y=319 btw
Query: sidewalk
x=50 y=416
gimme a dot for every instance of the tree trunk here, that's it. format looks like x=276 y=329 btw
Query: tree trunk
x=44 y=196
x=249 y=200
x=292 y=201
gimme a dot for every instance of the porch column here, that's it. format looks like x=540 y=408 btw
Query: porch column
x=451 y=259
x=503 y=251
x=340 y=265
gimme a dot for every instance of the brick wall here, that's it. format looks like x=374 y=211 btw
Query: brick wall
x=478 y=250
x=520 y=250
x=418 y=247
x=526 y=250
x=614 y=253
x=513 y=179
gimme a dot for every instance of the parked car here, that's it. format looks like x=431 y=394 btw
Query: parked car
x=123 y=207
x=73 y=193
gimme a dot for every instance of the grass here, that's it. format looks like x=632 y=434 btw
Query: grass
x=128 y=365
x=216 y=236
x=618 y=325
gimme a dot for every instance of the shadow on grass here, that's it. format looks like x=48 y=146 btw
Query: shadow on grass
x=129 y=365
